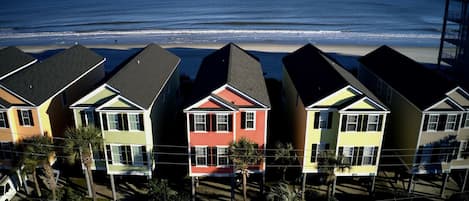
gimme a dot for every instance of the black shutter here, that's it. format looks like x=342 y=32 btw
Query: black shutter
x=142 y=124
x=20 y=117
x=230 y=122
x=128 y=154
x=365 y=123
x=316 y=119
x=329 y=120
x=243 y=120
x=214 y=122
x=458 y=118
x=355 y=156
x=375 y=156
x=119 y=122
x=5 y=116
x=209 y=156
x=341 y=154
x=207 y=122
x=360 y=155
x=191 y=122
x=442 y=122
x=30 y=113
x=104 y=121
x=436 y=151
x=380 y=122
x=464 y=116
x=213 y=156
x=360 y=122
x=83 y=118
x=344 y=122
x=418 y=156
x=193 y=162
x=425 y=122
x=97 y=123
x=144 y=155
x=313 y=153
x=125 y=122
x=109 y=154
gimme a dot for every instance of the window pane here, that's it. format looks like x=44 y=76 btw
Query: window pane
x=25 y=116
x=2 y=120
x=450 y=122
x=137 y=155
x=348 y=154
x=373 y=122
x=222 y=156
x=199 y=121
x=222 y=122
x=113 y=121
x=250 y=118
x=432 y=122
x=368 y=155
x=201 y=155
x=323 y=116
x=134 y=122
x=352 y=121
x=116 y=154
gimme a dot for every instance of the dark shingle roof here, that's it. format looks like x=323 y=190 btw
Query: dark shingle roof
x=422 y=86
x=43 y=80
x=142 y=78
x=11 y=59
x=316 y=76
x=234 y=66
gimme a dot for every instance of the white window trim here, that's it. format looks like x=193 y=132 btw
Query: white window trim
x=113 y=146
x=369 y=122
x=466 y=121
x=205 y=156
x=27 y=116
x=448 y=122
x=132 y=160
x=108 y=121
x=351 y=156
x=319 y=150
x=136 y=147
x=227 y=157
x=87 y=121
x=371 y=156
x=218 y=122
x=2 y=115
x=347 y=123
x=205 y=123
x=253 y=119
x=463 y=146
x=129 y=123
x=428 y=123
x=323 y=114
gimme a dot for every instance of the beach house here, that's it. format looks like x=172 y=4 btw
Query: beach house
x=331 y=114
x=230 y=102
x=12 y=60
x=429 y=125
x=35 y=99
x=131 y=109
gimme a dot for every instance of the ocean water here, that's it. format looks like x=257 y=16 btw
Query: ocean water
x=369 y=22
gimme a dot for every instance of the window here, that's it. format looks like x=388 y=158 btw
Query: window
x=372 y=124
x=222 y=156
x=200 y=156
x=463 y=150
x=466 y=122
x=121 y=154
x=137 y=155
x=26 y=118
x=323 y=117
x=6 y=150
x=450 y=122
x=134 y=121
x=113 y=121
x=89 y=115
x=352 y=122
x=199 y=122
x=347 y=155
x=222 y=122
x=368 y=155
x=3 y=120
x=250 y=120
x=432 y=122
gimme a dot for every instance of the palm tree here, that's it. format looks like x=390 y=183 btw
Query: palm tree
x=284 y=155
x=281 y=192
x=244 y=153
x=79 y=144
x=327 y=163
x=38 y=151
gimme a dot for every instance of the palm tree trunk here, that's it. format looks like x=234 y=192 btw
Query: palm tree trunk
x=244 y=172
x=36 y=184
x=51 y=179
x=87 y=163
x=284 y=172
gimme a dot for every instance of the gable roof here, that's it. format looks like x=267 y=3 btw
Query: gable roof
x=43 y=80
x=421 y=86
x=13 y=59
x=316 y=76
x=145 y=75
x=233 y=66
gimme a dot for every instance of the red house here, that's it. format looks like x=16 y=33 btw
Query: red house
x=230 y=102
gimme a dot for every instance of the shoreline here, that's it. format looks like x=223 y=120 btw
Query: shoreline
x=420 y=54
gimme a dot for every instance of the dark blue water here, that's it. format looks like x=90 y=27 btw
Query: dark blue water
x=396 y=22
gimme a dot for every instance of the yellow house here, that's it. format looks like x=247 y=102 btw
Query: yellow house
x=330 y=111
x=34 y=100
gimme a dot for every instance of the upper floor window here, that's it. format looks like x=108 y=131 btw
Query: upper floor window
x=222 y=156
x=352 y=122
x=134 y=121
x=433 y=122
x=3 y=120
x=201 y=156
x=368 y=153
x=200 y=122
x=373 y=121
x=222 y=122
x=466 y=121
x=25 y=118
x=87 y=118
x=451 y=122
x=250 y=120
x=113 y=121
